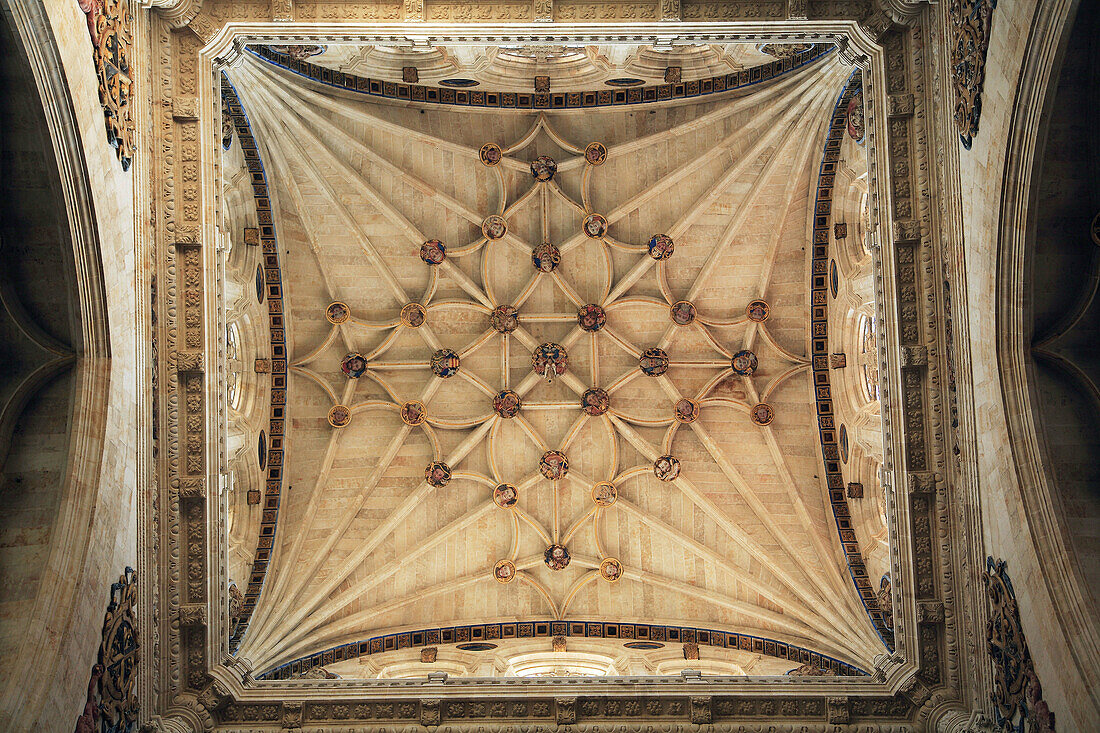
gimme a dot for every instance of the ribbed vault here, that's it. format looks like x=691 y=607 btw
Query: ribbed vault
x=369 y=542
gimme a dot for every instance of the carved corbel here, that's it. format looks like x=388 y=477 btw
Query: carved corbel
x=922 y=483
x=178 y=13
x=671 y=10
x=430 y=713
x=291 y=716
x=916 y=691
x=214 y=697
x=899 y=105
x=566 y=710
x=837 y=710
x=543 y=11
x=192 y=487
x=930 y=612
x=193 y=614
x=702 y=712
x=185 y=108
x=189 y=361
x=877 y=25
x=914 y=357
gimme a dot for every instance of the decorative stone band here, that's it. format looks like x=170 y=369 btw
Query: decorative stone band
x=273 y=282
x=819 y=325
x=549 y=629
x=556 y=100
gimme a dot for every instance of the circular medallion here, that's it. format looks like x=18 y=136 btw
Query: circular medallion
x=413 y=315
x=556 y=557
x=505 y=496
x=445 y=363
x=413 y=413
x=758 y=311
x=337 y=312
x=666 y=468
x=438 y=474
x=595 y=401
x=604 y=493
x=744 y=362
x=591 y=317
x=550 y=360
x=490 y=154
x=594 y=226
x=661 y=246
x=353 y=365
x=611 y=570
x=653 y=362
x=505 y=571
x=506 y=403
x=545 y=257
x=553 y=465
x=762 y=414
x=543 y=168
x=595 y=153
x=494 y=227
x=682 y=312
x=686 y=410
x=433 y=252
x=504 y=318
x=339 y=416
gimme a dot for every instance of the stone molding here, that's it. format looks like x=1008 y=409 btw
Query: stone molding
x=899 y=143
x=1050 y=28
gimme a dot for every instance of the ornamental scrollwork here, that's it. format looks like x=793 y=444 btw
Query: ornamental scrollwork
x=112 y=705
x=970 y=27
x=109 y=28
x=1017 y=696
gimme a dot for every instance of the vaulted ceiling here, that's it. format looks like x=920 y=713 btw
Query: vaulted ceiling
x=370 y=541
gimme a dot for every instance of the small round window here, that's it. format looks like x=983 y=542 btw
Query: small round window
x=261 y=450
x=259 y=283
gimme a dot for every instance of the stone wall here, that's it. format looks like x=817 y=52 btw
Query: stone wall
x=88 y=530
x=1009 y=532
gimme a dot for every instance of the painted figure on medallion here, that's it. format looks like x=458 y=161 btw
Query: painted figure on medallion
x=595 y=153
x=661 y=246
x=505 y=571
x=744 y=362
x=594 y=226
x=545 y=257
x=543 y=168
x=438 y=474
x=604 y=494
x=339 y=416
x=354 y=365
x=505 y=496
x=490 y=154
x=682 y=313
x=611 y=569
x=445 y=363
x=653 y=362
x=413 y=413
x=504 y=318
x=494 y=227
x=553 y=465
x=550 y=360
x=556 y=557
x=591 y=317
x=686 y=410
x=758 y=311
x=762 y=414
x=666 y=468
x=337 y=313
x=413 y=315
x=595 y=401
x=433 y=252
x=506 y=403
